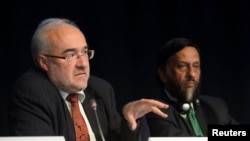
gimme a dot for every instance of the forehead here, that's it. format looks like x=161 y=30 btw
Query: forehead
x=66 y=36
x=188 y=53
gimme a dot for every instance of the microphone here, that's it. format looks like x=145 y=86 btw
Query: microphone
x=185 y=107
x=93 y=105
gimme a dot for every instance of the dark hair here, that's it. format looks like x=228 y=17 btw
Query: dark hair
x=172 y=47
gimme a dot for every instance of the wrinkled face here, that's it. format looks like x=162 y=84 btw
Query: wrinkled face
x=68 y=75
x=182 y=74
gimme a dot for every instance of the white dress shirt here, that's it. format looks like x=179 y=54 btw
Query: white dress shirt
x=81 y=98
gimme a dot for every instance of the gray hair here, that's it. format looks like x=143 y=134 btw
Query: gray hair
x=40 y=42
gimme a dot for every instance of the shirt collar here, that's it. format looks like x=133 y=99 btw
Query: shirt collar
x=81 y=95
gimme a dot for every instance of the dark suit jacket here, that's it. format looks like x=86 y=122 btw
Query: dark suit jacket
x=37 y=109
x=209 y=110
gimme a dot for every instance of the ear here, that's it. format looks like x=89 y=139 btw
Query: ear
x=42 y=61
x=162 y=74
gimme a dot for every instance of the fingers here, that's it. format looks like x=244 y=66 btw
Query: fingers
x=136 y=109
x=151 y=105
x=129 y=116
x=132 y=122
x=159 y=112
x=154 y=103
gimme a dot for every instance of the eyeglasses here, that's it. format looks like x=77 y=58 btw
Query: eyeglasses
x=72 y=56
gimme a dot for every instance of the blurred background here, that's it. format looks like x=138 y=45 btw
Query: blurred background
x=126 y=36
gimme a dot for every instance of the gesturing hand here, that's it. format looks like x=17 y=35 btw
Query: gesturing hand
x=136 y=109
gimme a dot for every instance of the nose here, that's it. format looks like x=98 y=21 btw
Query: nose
x=192 y=72
x=82 y=60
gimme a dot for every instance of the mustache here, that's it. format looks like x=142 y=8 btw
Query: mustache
x=191 y=80
x=80 y=70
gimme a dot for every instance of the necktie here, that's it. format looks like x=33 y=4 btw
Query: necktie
x=81 y=131
x=194 y=122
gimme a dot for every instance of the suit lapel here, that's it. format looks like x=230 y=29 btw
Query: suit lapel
x=202 y=119
x=89 y=111
x=69 y=122
x=187 y=124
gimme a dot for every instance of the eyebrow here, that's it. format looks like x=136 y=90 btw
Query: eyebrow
x=184 y=62
x=73 y=49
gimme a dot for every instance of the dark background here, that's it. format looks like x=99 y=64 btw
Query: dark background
x=126 y=35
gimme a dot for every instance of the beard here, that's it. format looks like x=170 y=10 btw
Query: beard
x=179 y=91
